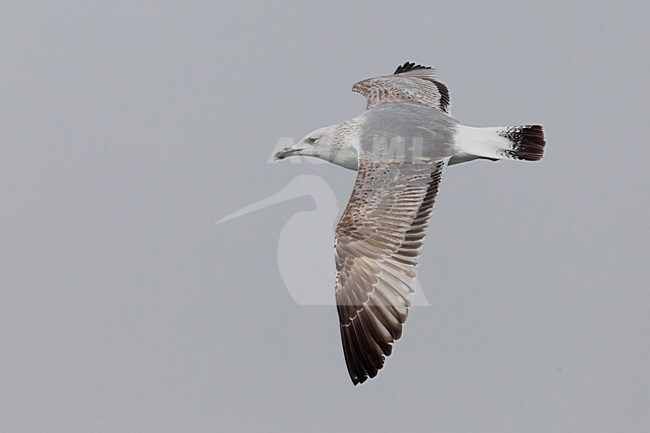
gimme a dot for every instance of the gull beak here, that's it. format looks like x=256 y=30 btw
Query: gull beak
x=286 y=152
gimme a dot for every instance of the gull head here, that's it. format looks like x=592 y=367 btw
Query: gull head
x=337 y=144
x=317 y=143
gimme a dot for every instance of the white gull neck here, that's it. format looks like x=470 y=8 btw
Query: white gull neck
x=345 y=144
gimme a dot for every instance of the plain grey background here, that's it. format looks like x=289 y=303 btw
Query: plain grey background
x=128 y=128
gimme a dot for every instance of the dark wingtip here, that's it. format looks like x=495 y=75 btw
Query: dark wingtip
x=409 y=66
x=444 y=95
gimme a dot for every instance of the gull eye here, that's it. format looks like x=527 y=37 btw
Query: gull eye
x=311 y=140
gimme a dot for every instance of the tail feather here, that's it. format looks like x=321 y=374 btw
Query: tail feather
x=524 y=142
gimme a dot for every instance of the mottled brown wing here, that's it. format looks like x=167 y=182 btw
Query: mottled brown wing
x=378 y=241
x=410 y=83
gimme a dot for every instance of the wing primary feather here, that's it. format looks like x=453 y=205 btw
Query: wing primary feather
x=350 y=360
x=409 y=66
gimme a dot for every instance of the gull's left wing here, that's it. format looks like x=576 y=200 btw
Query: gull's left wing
x=410 y=83
x=378 y=241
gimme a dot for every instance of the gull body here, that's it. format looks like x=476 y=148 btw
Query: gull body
x=400 y=147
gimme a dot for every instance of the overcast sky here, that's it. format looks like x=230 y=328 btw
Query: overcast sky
x=129 y=128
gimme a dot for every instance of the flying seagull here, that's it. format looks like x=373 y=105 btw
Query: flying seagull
x=400 y=146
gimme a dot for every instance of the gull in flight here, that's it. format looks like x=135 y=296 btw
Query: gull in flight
x=400 y=147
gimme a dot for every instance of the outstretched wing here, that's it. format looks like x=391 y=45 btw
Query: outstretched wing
x=378 y=241
x=409 y=83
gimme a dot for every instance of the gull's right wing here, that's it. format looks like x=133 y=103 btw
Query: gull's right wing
x=411 y=83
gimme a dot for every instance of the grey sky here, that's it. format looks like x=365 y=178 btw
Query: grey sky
x=128 y=128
